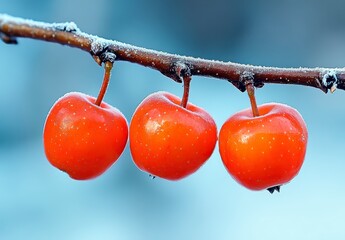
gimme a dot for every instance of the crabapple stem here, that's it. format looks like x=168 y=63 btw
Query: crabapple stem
x=107 y=70
x=251 y=93
x=186 y=84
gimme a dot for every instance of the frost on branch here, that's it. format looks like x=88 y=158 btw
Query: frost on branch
x=66 y=27
x=171 y=65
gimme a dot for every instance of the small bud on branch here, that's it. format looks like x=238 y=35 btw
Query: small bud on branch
x=69 y=34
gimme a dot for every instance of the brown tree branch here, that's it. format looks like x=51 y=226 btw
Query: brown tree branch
x=171 y=65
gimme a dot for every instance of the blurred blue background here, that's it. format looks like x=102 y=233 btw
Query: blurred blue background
x=39 y=202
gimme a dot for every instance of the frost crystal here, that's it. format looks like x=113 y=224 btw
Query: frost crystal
x=330 y=79
x=66 y=27
x=97 y=45
x=109 y=56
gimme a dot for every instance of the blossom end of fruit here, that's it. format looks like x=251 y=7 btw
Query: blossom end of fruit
x=273 y=189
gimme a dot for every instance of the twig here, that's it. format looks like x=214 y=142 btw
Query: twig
x=12 y=28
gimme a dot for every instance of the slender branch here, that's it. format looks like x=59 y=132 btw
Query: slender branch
x=12 y=28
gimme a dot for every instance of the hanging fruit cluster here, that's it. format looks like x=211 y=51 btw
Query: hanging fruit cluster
x=261 y=148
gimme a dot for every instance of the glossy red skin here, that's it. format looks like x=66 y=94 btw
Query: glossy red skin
x=169 y=141
x=83 y=139
x=265 y=151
